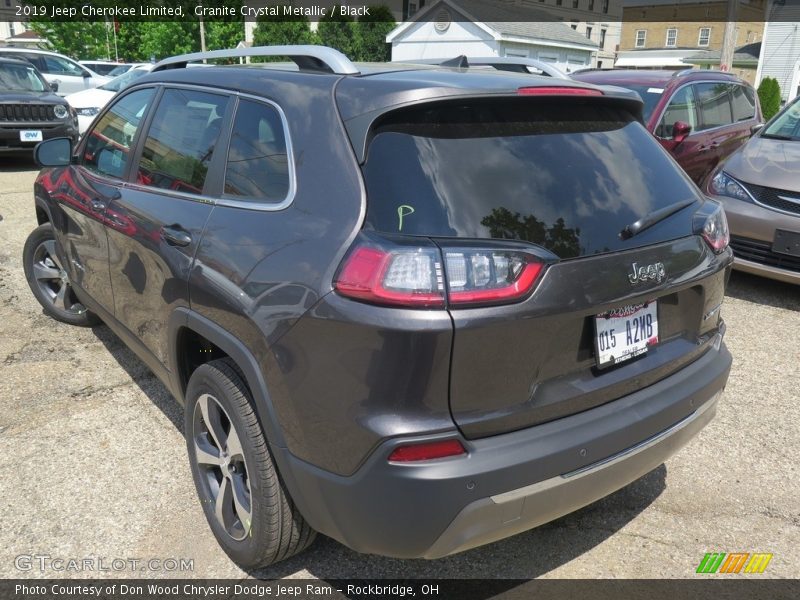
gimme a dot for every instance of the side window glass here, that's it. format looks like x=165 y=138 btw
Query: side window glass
x=680 y=108
x=109 y=142
x=744 y=107
x=715 y=106
x=58 y=66
x=258 y=165
x=181 y=140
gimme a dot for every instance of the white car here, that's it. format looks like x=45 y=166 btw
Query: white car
x=88 y=103
x=67 y=74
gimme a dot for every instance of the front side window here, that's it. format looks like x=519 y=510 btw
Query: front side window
x=20 y=78
x=713 y=99
x=705 y=36
x=672 y=38
x=258 y=161
x=682 y=107
x=108 y=143
x=641 y=38
x=181 y=140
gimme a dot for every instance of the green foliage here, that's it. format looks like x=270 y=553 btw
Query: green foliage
x=338 y=31
x=769 y=95
x=222 y=35
x=81 y=41
x=169 y=38
x=371 y=35
x=280 y=30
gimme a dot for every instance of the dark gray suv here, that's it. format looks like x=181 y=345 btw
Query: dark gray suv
x=414 y=308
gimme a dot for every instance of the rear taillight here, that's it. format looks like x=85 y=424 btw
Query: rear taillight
x=715 y=231
x=427 y=451
x=380 y=272
x=404 y=277
x=489 y=277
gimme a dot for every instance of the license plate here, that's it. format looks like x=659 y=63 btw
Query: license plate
x=786 y=242
x=625 y=332
x=30 y=135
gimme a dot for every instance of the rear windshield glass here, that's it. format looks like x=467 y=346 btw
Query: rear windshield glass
x=564 y=176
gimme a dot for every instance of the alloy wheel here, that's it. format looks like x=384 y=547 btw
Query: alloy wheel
x=53 y=281
x=220 y=458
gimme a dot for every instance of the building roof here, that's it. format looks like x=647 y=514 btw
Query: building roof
x=656 y=58
x=746 y=56
x=507 y=21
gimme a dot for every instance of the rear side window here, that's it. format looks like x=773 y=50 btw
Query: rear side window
x=258 y=165
x=566 y=176
x=744 y=103
x=108 y=143
x=181 y=140
x=715 y=106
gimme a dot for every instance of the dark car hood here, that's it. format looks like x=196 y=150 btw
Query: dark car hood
x=767 y=162
x=37 y=97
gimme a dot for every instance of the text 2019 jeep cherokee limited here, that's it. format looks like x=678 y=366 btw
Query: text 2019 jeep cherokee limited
x=416 y=309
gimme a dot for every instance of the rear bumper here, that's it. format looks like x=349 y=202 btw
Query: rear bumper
x=508 y=483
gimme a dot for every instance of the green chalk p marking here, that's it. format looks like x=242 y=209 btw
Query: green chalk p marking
x=403 y=211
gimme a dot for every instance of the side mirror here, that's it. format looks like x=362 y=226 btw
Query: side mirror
x=756 y=128
x=53 y=153
x=86 y=74
x=680 y=130
x=54 y=86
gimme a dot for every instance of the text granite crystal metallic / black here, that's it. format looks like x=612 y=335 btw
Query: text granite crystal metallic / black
x=414 y=308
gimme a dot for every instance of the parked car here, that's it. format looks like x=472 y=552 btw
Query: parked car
x=68 y=75
x=103 y=67
x=123 y=68
x=700 y=116
x=88 y=103
x=759 y=185
x=29 y=109
x=346 y=274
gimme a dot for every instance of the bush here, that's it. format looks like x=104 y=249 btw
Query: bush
x=769 y=95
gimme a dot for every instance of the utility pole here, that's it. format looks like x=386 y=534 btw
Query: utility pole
x=202 y=31
x=729 y=37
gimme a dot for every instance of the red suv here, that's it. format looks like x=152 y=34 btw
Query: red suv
x=701 y=117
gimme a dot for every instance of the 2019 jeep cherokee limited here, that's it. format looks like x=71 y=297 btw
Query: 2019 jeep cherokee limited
x=416 y=309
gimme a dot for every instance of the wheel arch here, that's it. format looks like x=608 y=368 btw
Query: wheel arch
x=185 y=323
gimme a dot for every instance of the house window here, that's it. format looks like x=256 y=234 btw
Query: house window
x=558 y=2
x=11 y=32
x=589 y=33
x=602 y=38
x=672 y=38
x=705 y=36
x=605 y=6
x=641 y=38
x=591 y=5
x=574 y=24
x=599 y=64
x=575 y=3
x=8 y=2
x=412 y=8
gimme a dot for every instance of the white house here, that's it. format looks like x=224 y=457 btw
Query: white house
x=780 y=48
x=448 y=28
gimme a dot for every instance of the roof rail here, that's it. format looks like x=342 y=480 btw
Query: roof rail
x=681 y=72
x=312 y=58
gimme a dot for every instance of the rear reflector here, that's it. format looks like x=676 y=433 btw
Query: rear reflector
x=558 y=91
x=427 y=451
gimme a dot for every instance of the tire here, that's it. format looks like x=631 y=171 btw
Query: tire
x=242 y=495
x=49 y=281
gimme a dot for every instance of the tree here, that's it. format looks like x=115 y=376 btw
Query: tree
x=338 y=31
x=77 y=40
x=163 y=39
x=769 y=95
x=222 y=35
x=371 y=35
x=282 y=29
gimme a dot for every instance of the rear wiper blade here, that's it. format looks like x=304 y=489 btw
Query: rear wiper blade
x=651 y=219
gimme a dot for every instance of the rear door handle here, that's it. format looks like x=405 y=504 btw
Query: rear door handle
x=175 y=235
x=97 y=205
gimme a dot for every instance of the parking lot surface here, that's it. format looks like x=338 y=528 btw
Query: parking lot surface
x=93 y=459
